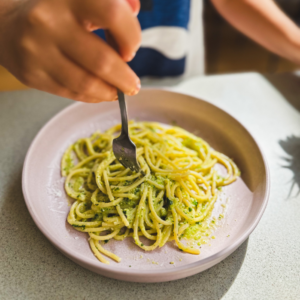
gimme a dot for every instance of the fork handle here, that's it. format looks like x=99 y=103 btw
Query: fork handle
x=122 y=103
x=123 y=110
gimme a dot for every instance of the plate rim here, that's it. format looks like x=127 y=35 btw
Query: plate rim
x=111 y=270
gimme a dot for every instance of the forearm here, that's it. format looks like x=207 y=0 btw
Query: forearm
x=265 y=23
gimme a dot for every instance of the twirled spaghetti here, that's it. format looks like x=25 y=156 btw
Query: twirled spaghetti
x=171 y=200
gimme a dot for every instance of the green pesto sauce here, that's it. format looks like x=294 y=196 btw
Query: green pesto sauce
x=78 y=184
x=128 y=204
x=102 y=197
x=162 y=212
x=130 y=215
x=194 y=232
x=69 y=163
x=98 y=217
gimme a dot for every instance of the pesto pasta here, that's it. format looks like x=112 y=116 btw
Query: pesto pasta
x=171 y=200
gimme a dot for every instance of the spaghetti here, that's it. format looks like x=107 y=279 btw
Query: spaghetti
x=172 y=199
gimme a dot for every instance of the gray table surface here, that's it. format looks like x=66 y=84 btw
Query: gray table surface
x=266 y=266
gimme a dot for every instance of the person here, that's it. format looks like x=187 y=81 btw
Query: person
x=49 y=44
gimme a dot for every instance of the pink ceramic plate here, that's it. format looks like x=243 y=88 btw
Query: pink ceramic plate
x=48 y=204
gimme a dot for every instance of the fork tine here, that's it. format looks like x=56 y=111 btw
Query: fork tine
x=125 y=152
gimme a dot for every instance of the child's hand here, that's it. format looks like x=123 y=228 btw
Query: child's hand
x=47 y=45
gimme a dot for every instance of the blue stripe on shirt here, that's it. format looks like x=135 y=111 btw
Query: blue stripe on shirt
x=166 y=13
x=149 y=62
x=100 y=33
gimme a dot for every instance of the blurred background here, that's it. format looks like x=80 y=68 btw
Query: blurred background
x=227 y=50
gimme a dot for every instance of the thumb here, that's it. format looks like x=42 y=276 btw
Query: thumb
x=135 y=5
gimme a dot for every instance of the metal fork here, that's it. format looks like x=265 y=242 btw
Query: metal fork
x=123 y=147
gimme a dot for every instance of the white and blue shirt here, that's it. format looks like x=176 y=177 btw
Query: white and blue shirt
x=172 y=39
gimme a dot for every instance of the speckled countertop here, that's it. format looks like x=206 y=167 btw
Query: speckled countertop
x=266 y=266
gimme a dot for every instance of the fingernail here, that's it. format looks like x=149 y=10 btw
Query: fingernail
x=135 y=90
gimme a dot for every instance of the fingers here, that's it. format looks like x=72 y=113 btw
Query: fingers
x=117 y=16
x=134 y=4
x=78 y=80
x=45 y=82
x=59 y=55
x=58 y=89
x=99 y=59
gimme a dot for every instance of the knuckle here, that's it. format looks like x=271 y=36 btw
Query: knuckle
x=61 y=91
x=28 y=77
x=108 y=94
x=87 y=85
x=114 y=12
x=111 y=93
x=43 y=15
x=26 y=45
x=103 y=65
x=37 y=15
x=79 y=97
x=59 y=88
